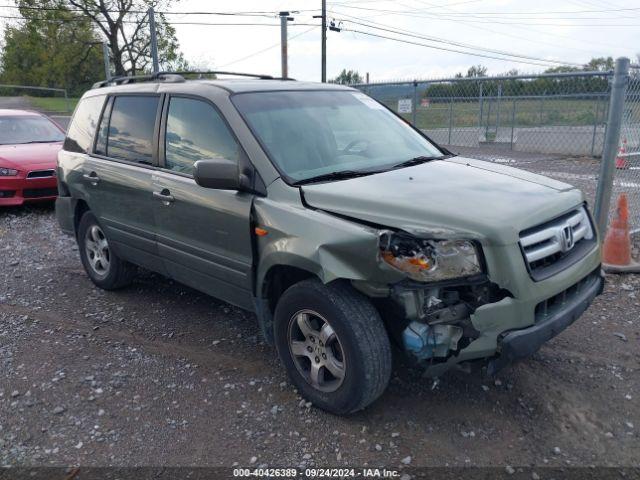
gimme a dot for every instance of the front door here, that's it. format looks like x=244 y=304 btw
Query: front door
x=203 y=234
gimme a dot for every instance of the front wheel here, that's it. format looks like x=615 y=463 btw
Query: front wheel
x=333 y=345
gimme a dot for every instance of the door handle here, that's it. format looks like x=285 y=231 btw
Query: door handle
x=165 y=196
x=92 y=177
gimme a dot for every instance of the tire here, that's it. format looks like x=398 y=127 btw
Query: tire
x=105 y=269
x=354 y=361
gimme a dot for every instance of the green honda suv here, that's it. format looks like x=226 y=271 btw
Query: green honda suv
x=343 y=228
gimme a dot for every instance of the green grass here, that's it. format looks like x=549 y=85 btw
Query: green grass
x=53 y=104
x=527 y=113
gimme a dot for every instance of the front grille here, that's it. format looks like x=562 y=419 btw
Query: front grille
x=550 y=306
x=7 y=193
x=555 y=245
x=39 y=192
x=41 y=174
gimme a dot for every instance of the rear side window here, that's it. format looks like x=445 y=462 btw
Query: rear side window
x=84 y=124
x=131 y=127
x=103 y=129
x=195 y=131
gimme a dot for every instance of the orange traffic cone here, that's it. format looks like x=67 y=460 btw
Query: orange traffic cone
x=621 y=160
x=616 y=250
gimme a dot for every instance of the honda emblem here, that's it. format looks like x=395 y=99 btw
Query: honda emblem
x=567 y=238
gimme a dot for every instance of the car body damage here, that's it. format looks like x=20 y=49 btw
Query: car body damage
x=349 y=230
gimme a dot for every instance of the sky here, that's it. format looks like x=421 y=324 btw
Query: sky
x=528 y=28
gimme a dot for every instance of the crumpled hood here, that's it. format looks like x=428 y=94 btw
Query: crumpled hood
x=456 y=197
x=26 y=156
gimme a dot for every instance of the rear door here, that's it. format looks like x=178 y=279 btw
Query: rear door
x=203 y=234
x=118 y=176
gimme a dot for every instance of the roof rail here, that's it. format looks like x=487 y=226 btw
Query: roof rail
x=237 y=74
x=221 y=72
x=124 y=79
x=177 y=77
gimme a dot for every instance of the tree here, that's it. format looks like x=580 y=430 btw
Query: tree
x=602 y=64
x=51 y=48
x=125 y=25
x=477 y=71
x=347 y=77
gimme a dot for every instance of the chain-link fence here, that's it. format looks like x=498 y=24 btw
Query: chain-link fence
x=627 y=176
x=552 y=124
x=552 y=113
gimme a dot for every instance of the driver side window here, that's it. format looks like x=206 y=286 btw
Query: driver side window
x=195 y=131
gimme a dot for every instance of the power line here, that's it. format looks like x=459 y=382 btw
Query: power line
x=567 y=12
x=268 y=48
x=494 y=31
x=489 y=20
x=446 y=49
x=61 y=20
x=495 y=13
x=539 y=32
x=434 y=6
x=458 y=44
x=251 y=24
x=144 y=12
x=218 y=24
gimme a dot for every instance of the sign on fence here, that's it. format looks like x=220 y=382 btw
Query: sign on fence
x=404 y=105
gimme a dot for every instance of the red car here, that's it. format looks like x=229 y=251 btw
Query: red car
x=29 y=145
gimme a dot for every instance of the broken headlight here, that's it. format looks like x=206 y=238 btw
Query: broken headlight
x=426 y=260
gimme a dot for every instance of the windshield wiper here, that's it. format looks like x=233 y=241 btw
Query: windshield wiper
x=419 y=160
x=39 y=141
x=337 y=175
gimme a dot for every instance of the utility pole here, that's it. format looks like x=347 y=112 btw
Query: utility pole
x=154 y=40
x=105 y=55
x=324 y=41
x=284 y=53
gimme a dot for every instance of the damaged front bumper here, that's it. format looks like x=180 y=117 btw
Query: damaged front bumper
x=504 y=325
x=524 y=343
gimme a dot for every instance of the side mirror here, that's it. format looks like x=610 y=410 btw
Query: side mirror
x=218 y=173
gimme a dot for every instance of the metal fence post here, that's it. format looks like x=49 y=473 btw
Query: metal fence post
x=513 y=120
x=450 y=118
x=595 y=125
x=415 y=103
x=66 y=100
x=105 y=57
x=611 y=143
x=480 y=107
x=486 y=125
x=498 y=109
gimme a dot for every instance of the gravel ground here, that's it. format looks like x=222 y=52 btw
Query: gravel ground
x=158 y=374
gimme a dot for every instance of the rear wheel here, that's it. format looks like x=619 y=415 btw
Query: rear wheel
x=333 y=345
x=101 y=263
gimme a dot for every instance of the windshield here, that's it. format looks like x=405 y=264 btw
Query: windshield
x=28 y=129
x=312 y=133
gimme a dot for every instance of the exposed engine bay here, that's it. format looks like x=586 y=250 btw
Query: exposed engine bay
x=434 y=323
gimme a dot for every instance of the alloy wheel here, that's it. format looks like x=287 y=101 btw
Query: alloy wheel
x=316 y=350
x=97 y=250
